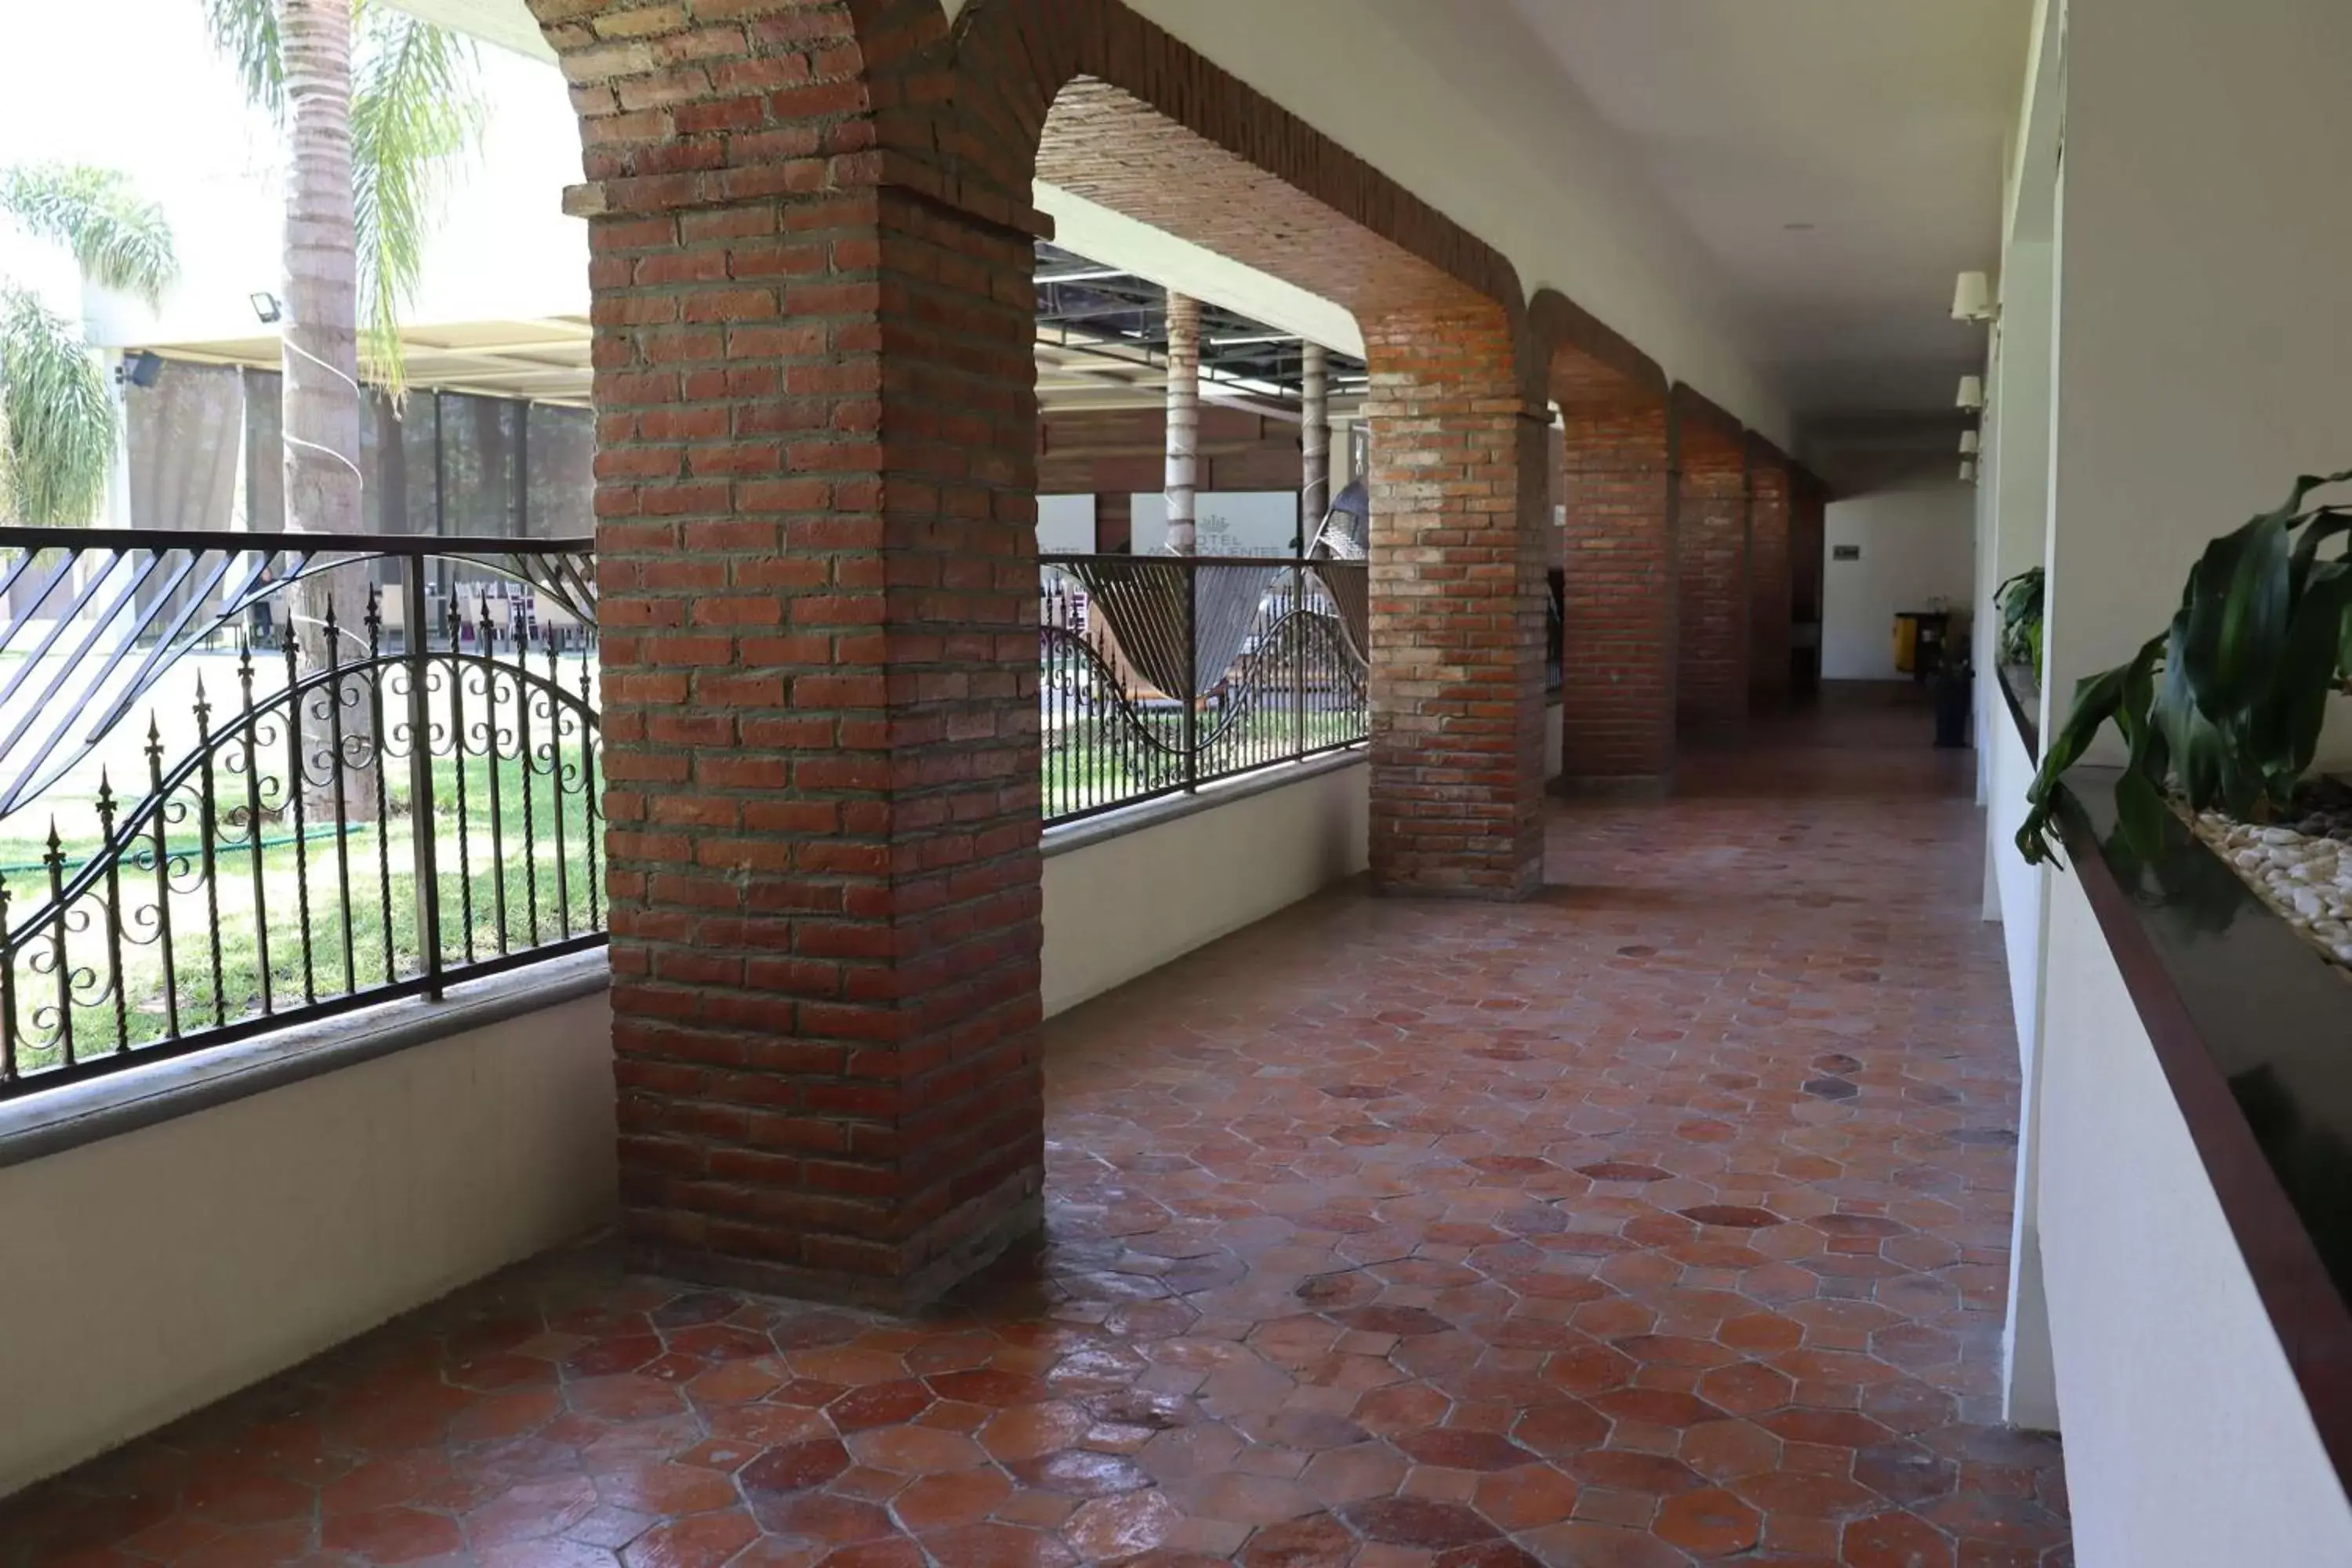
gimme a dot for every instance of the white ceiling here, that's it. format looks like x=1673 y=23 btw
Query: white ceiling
x=1880 y=123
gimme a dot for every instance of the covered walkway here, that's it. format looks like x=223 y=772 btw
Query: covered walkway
x=1661 y=1218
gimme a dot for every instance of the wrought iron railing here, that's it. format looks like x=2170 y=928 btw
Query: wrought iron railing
x=1555 y=629
x=250 y=779
x=1162 y=673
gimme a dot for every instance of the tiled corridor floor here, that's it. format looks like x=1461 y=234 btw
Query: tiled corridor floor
x=1661 y=1219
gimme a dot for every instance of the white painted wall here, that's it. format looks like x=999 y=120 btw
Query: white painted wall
x=2198 y=320
x=1122 y=907
x=146 y=1275
x=2202 y=305
x=2188 y=1441
x=2029 y=1391
x=1918 y=547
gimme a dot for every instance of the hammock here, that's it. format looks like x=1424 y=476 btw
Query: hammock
x=1346 y=531
x=1352 y=594
x=1346 y=535
x=1141 y=601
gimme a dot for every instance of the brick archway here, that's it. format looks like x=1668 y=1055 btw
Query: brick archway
x=1617 y=500
x=1711 y=549
x=812 y=255
x=1102 y=103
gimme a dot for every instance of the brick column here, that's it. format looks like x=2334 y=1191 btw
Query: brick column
x=815 y=469
x=1771 y=588
x=1618 y=643
x=1458 y=512
x=1711 y=537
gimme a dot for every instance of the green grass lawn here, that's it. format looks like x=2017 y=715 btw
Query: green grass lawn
x=326 y=912
x=218 y=972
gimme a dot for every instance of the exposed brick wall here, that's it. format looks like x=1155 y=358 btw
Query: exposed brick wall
x=1618 y=626
x=1617 y=497
x=1770 y=593
x=1458 y=515
x=1096 y=451
x=816 y=458
x=1711 y=538
x=810 y=244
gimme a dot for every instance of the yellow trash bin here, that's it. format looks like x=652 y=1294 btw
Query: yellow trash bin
x=1906 y=644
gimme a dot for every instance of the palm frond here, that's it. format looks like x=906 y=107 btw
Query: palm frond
x=118 y=239
x=245 y=32
x=57 y=422
x=415 y=108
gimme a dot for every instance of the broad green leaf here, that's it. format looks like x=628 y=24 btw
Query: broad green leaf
x=2318 y=527
x=2299 y=689
x=2257 y=599
x=2095 y=698
x=2140 y=808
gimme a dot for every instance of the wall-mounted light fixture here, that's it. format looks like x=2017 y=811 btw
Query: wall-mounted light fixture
x=266 y=306
x=1969 y=444
x=1968 y=470
x=1972 y=298
x=1971 y=395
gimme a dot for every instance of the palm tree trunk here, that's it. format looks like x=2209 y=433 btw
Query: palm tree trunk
x=1313 y=443
x=1183 y=420
x=321 y=353
x=320 y=406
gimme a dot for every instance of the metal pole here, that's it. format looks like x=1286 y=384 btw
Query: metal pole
x=417 y=635
x=1190 y=566
x=1294 y=632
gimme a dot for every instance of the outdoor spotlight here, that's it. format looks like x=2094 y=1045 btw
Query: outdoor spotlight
x=266 y=306
x=1972 y=298
x=1971 y=392
x=142 y=369
x=1968 y=443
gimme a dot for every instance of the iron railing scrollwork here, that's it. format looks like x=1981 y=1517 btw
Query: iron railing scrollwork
x=1160 y=674
x=237 y=771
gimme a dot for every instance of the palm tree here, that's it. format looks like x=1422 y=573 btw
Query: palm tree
x=57 y=420
x=376 y=104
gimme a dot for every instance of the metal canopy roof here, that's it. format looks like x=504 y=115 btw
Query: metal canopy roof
x=1102 y=342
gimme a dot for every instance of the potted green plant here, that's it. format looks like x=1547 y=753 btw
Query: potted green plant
x=2223 y=710
x=2018 y=641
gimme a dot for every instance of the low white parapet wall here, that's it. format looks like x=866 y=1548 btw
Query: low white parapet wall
x=1129 y=891
x=2189 y=1441
x=147 y=1271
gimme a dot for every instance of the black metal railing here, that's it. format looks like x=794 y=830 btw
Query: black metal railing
x=251 y=779
x=1555 y=629
x=1162 y=673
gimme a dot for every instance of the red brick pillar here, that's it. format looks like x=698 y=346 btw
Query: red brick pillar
x=1458 y=512
x=1770 y=587
x=815 y=469
x=1618 y=646
x=1711 y=541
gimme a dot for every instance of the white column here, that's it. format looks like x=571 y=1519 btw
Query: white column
x=1183 y=420
x=1314 y=440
